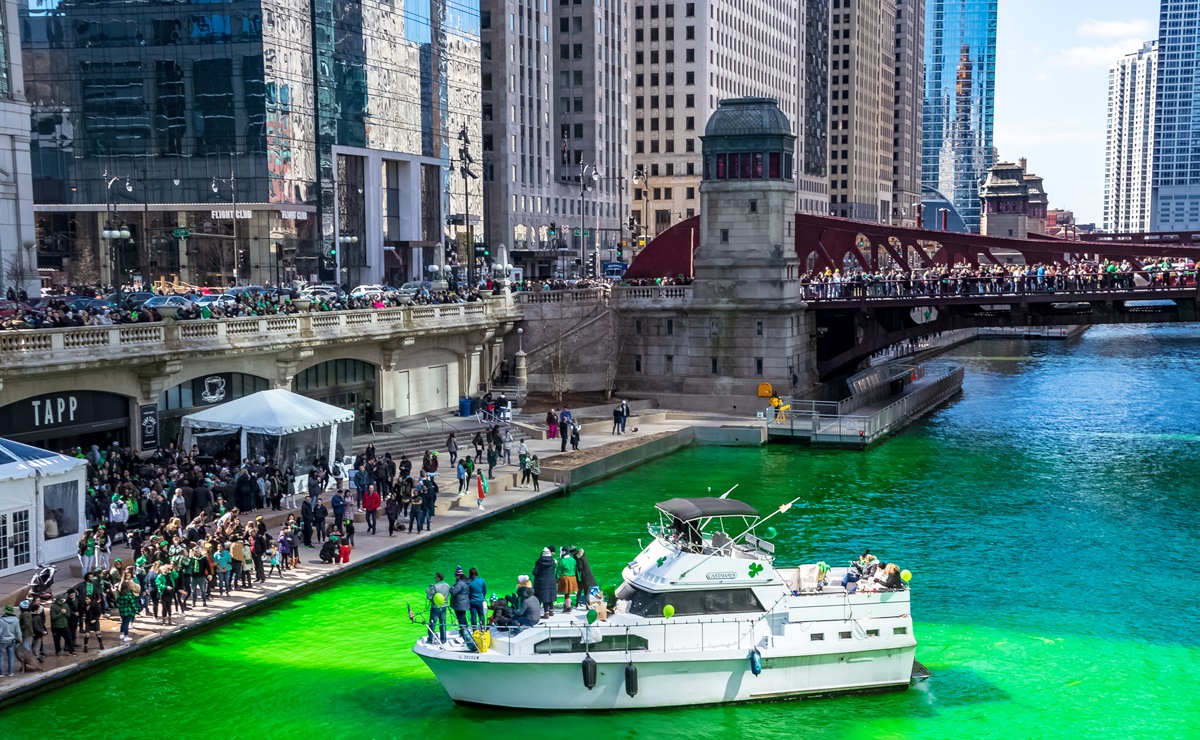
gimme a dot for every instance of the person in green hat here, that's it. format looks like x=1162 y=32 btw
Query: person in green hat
x=568 y=586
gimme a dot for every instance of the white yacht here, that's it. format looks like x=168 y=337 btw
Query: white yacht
x=703 y=616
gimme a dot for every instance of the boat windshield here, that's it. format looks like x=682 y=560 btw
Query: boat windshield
x=644 y=603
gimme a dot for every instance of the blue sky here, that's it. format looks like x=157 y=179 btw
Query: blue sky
x=1052 y=62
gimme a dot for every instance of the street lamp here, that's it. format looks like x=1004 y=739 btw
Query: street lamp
x=588 y=176
x=641 y=178
x=232 y=180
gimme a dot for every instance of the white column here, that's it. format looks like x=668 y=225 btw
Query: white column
x=373 y=212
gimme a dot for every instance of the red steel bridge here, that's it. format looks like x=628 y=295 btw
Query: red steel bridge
x=864 y=314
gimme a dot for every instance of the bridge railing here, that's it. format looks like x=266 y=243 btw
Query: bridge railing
x=79 y=342
x=586 y=295
x=1006 y=285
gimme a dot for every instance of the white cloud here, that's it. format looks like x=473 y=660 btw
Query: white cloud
x=1142 y=28
x=1095 y=57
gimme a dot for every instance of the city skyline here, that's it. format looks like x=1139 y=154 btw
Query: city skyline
x=1052 y=89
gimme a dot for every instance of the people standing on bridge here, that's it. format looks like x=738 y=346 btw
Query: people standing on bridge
x=551 y=424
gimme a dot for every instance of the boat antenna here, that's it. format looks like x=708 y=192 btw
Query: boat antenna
x=735 y=485
x=780 y=510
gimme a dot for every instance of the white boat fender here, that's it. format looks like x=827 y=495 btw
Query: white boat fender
x=631 y=685
x=755 y=662
x=589 y=673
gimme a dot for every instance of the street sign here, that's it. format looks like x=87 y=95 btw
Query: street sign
x=182 y=233
x=586 y=232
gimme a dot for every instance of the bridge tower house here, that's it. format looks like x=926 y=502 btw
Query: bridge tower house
x=745 y=322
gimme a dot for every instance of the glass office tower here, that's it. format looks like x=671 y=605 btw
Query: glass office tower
x=960 y=79
x=237 y=140
x=1175 y=194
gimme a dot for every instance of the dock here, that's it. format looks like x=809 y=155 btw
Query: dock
x=863 y=419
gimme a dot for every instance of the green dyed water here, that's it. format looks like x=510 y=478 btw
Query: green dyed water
x=1046 y=515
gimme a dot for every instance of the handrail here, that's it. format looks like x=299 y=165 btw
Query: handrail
x=964 y=286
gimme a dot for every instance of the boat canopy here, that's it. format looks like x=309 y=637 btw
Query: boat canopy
x=691 y=509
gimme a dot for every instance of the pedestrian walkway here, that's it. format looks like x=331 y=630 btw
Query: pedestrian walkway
x=453 y=513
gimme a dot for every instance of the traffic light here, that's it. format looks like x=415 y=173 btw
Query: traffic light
x=641 y=241
x=553 y=231
x=620 y=249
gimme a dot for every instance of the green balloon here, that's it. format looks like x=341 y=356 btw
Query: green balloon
x=439 y=600
x=592 y=616
x=770 y=533
x=668 y=611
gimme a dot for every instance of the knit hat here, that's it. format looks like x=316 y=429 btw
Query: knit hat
x=8 y=611
x=545 y=551
x=522 y=580
x=458 y=571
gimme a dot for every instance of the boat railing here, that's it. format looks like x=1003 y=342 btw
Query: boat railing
x=671 y=635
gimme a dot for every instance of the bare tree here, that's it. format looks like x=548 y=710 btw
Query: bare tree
x=17 y=274
x=614 y=346
x=84 y=268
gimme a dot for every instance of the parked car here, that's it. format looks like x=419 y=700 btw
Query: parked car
x=167 y=300
x=130 y=301
x=414 y=287
x=367 y=290
x=213 y=300
x=243 y=289
x=8 y=309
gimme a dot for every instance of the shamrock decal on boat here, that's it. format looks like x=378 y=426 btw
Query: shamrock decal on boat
x=755 y=569
x=661 y=560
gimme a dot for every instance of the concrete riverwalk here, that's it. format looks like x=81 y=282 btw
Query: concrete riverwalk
x=601 y=454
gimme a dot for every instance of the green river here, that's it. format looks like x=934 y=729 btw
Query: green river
x=1045 y=514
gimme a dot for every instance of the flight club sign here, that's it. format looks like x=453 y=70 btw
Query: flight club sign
x=53 y=411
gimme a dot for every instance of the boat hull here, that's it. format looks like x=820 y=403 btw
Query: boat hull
x=556 y=682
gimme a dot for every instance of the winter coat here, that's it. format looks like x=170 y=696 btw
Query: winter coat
x=460 y=596
x=544 y=584
x=478 y=590
x=531 y=608
x=583 y=570
x=10 y=630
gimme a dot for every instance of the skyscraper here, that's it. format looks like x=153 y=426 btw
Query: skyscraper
x=1175 y=195
x=862 y=94
x=1129 y=145
x=960 y=77
x=688 y=56
x=556 y=91
x=18 y=255
x=249 y=141
x=907 y=117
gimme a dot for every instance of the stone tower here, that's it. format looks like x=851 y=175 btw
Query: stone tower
x=743 y=322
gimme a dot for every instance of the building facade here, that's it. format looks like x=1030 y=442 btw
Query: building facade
x=1014 y=201
x=556 y=87
x=687 y=57
x=1175 y=192
x=861 y=108
x=960 y=77
x=1129 y=143
x=239 y=144
x=908 y=111
x=18 y=257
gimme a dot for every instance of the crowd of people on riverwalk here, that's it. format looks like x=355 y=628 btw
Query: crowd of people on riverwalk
x=174 y=530
x=966 y=279
x=558 y=572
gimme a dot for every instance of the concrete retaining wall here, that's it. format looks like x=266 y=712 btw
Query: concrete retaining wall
x=620 y=461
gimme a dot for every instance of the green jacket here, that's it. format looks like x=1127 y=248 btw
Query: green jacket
x=566 y=567
x=60 y=614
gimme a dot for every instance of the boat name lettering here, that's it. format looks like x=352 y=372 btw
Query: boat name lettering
x=720 y=576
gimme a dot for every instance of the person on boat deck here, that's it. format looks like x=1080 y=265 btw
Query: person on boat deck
x=890 y=578
x=437 y=614
x=688 y=531
x=583 y=571
x=568 y=584
x=460 y=599
x=531 y=608
x=865 y=567
x=543 y=582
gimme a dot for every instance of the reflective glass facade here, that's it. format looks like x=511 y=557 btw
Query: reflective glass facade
x=1175 y=196
x=960 y=79
x=223 y=117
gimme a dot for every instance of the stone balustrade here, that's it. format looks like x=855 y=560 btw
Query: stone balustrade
x=587 y=295
x=650 y=296
x=83 y=345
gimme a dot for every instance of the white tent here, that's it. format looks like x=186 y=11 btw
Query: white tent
x=283 y=427
x=41 y=505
